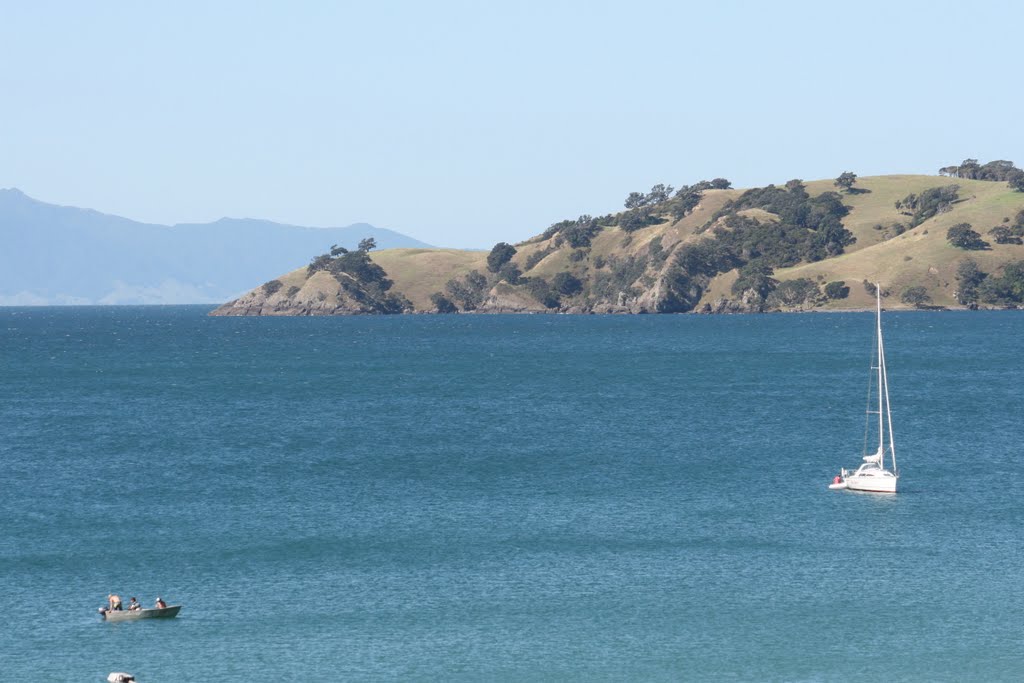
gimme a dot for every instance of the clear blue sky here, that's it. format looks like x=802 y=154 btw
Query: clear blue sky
x=468 y=123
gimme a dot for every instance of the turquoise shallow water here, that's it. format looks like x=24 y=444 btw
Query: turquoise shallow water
x=506 y=498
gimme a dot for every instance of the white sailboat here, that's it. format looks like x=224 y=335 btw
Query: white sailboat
x=872 y=475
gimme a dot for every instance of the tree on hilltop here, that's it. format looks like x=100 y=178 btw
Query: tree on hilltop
x=999 y=170
x=968 y=169
x=658 y=194
x=846 y=180
x=634 y=200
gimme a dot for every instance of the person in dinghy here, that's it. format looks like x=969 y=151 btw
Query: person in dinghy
x=838 y=481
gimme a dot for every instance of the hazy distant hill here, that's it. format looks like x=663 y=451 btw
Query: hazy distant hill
x=64 y=255
x=948 y=240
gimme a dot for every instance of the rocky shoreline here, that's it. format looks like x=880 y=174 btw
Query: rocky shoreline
x=723 y=306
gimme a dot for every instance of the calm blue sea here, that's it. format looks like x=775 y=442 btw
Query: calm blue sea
x=506 y=497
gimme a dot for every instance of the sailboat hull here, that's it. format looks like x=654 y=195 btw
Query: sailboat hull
x=873 y=483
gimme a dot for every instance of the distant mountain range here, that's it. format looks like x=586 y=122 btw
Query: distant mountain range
x=65 y=255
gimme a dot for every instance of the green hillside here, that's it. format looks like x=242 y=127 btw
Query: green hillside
x=706 y=248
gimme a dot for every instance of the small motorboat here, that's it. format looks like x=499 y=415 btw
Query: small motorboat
x=168 y=612
x=838 y=482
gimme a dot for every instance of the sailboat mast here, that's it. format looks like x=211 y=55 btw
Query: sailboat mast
x=888 y=407
x=878 y=360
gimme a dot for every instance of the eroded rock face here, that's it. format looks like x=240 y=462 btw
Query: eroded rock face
x=652 y=300
x=249 y=305
x=624 y=303
x=750 y=302
x=505 y=299
x=243 y=307
x=606 y=308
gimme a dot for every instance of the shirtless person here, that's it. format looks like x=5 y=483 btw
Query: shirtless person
x=114 y=601
x=160 y=604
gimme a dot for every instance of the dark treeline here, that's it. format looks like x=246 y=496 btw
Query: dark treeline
x=997 y=171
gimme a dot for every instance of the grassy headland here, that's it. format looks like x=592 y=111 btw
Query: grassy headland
x=928 y=240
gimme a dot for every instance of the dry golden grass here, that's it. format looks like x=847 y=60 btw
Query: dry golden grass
x=418 y=273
